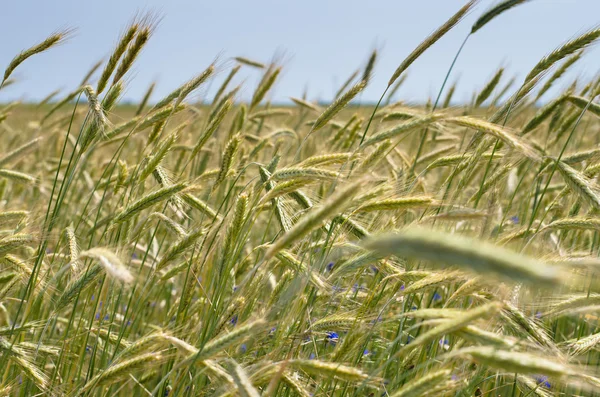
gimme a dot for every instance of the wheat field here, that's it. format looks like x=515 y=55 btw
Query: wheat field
x=224 y=247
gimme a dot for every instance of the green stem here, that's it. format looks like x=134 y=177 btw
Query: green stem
x=554 y=168
x=437 y=100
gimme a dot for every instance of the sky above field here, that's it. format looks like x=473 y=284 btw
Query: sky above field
x=319 y=42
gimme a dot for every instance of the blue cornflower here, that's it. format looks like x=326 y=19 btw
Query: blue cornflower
x=234 y=319
x=514 y=219
x=98 y=316
x=543 y=381
x=312 y=356
x=332 y=337
x=402 y=287
x=366 y=352
x=134 y=256
x=374 y=269
x=437 y=297
x=330 y=266
x=445 y=343
x=538 y=314
x=88 y=349
x=106 y=317
x=243 y=348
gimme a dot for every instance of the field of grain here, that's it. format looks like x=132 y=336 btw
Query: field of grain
x=229 y=247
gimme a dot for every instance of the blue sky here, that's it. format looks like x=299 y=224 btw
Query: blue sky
x=321 y=42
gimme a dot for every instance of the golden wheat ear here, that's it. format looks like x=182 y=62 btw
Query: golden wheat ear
x=51 y=41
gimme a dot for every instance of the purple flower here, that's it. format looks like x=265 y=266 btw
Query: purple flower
x=366 y=352
x=538 y=314
x=336 y=288
x=445 y=343
x=243 y=348
x=234 y=319
x=402 y=287
x=312 y=356
x=515 y=219
x=98 y=316
x=330 y=266
x=542 y=380
x=437 y=297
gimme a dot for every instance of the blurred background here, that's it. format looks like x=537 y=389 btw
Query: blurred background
x=320 y=43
